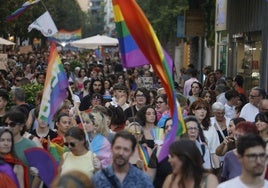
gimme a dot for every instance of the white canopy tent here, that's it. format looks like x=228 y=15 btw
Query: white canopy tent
x=95 y=42
x=6 y=42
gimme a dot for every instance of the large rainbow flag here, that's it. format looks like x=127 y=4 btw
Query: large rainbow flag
x=131 y=55
x=22 y=9
x=146 y=39
x=55 y=86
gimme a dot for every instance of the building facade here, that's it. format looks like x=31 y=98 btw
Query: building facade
x=246 y=42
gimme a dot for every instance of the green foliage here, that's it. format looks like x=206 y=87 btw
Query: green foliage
x=74 y=64
x=163 y=16
x=31 y=91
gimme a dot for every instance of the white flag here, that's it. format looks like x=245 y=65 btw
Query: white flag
x=45 y=24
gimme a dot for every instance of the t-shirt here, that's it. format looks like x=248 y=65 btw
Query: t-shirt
x=21 y=146
x=249 y=112
x=231 y=166
x=236 y=182
x=82 y=163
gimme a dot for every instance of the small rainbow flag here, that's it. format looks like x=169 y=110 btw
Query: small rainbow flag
x=158 y=135
x=22 y=9
x=143 y=153
x=55 y=86
x=146 y=39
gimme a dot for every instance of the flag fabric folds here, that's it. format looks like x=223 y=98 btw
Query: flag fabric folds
x=45 y=24
x=146 y=39
x=55 y=86
x=20 y=10
x=131 y=55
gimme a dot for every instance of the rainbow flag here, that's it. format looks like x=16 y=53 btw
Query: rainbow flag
x=66 y=36
x=146 y=39
x=131 y=55
x=144 y=155
x=22 y=9
x=55 y=86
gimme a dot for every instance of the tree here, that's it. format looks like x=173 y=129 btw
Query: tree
x=163 y=16
x=66 y=15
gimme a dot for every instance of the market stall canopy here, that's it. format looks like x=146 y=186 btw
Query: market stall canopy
x=95 y=42
x=6 y=42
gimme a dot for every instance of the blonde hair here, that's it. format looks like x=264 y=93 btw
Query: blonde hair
x=136 y=125
x=98 y=120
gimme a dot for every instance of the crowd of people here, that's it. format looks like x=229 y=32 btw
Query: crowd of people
x=110 y=129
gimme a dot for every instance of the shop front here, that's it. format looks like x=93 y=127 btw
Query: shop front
x=247 y=41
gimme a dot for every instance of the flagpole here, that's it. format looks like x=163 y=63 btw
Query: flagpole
x=79 y=115
x=44 y=5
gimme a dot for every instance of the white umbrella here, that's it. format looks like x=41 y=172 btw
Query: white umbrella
x=6 y=42
x=94 y=42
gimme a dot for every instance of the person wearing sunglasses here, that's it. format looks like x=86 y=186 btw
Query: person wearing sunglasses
x=252 y=156
x=79 y=157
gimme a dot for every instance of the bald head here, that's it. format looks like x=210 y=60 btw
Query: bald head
x=263 y=105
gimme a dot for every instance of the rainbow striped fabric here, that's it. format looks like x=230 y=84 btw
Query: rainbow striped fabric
x=131 y=55
x=55 y=86
x=22 y=9
x=144 y=155
x=147 y=41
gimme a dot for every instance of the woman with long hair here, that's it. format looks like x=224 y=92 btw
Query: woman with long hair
x=99 y=136
x=147 y=116
x=9 y=163
x=200 y=109
x=187 y=170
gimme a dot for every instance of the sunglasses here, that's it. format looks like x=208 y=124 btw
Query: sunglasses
x=12 y=124
x=71 y=144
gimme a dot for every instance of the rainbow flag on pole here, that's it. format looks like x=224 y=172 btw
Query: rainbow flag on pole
x=146 y=39
x=55 y=86
x=131 y=55
x=22 y=9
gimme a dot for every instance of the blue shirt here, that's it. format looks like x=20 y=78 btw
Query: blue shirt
x=135 y=178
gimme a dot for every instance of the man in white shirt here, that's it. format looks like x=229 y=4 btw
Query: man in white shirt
x=252 y=156
x=232 y=98
x=250 y=110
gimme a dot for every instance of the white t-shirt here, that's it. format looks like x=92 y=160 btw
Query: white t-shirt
x=249 y=112
x=236 y=182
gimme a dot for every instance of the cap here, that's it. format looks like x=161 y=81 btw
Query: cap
x=66 y=63
x=77 y=68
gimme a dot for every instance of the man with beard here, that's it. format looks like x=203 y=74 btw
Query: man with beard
x=252 y=156
x=121 y=173
x=96 y=86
